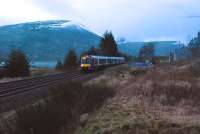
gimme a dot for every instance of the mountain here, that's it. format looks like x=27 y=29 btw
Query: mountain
x=162 y=48
x=51 y=40
x=46 y=40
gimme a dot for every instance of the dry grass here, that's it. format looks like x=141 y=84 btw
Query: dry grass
x=165 y=100
x=114 y=77
x=169 y=92
x=172 y=93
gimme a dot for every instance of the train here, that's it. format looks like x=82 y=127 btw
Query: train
x=90 y=63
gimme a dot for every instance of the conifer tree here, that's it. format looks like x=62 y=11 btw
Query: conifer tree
x=17 y=64
x=70 y=60
x=194 y=46
x=92 y=51
x=108 y=45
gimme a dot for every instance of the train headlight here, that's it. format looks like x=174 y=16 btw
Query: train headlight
x=85 y=65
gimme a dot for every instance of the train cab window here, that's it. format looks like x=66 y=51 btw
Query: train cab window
x=86 y=61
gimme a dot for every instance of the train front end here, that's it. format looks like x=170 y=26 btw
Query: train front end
x=86 y=63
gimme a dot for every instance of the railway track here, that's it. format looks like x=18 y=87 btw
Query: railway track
x=16 y=87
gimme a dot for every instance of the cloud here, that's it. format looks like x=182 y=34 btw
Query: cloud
x=133 y=19
x=22 y=11
x=61 y=8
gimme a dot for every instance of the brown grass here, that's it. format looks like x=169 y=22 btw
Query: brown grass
x=165 y=100
x=169 y=92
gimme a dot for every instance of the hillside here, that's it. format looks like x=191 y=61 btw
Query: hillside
x=46 y=40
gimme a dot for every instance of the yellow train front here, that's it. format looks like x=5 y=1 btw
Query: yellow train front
x=89 y=63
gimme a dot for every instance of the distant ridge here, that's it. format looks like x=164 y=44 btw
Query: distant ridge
x=162 y=48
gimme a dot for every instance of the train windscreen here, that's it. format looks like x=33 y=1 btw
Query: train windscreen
x=85 y=61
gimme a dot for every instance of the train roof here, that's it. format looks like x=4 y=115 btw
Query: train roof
x=105 y=57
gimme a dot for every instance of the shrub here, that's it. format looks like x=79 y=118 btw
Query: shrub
x=63 y=108
x=95 y=95
x=195 y=69
x=40 y=119
x=85 y=98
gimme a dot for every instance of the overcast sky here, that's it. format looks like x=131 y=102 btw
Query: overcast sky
x=135 y=20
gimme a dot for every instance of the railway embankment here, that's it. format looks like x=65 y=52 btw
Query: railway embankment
x=65 y=108
x=29 y=90
x=22 y=97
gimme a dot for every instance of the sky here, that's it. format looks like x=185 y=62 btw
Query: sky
x=134 y=20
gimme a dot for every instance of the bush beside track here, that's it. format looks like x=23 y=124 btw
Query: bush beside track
x=61 y=110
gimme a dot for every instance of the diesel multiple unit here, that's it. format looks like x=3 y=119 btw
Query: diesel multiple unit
x=91 y=62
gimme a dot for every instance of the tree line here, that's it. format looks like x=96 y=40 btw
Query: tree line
x=188 y=51
x=194 y=46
